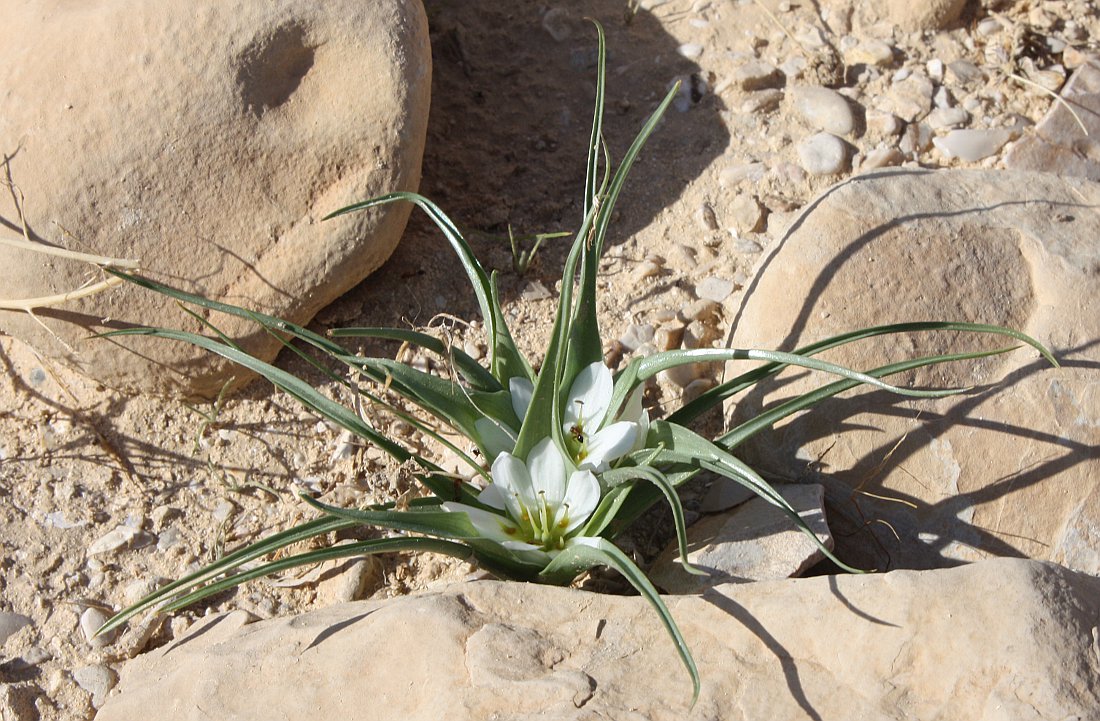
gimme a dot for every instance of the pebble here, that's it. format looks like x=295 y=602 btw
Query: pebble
x=121 y=538
x=916 y=139
x=880 y=123
x=714 y=288
x=91 y=621
x=36 y=655
x=757 y=75
x=946 y=118
x=690 y=50
x=97 y=680
x=963 y=72
x=648 y=268
x=669 y=337
x=224 y=509
x=534 y=290
x=745 y=214
x=824 y=109
x=935 y=68
x=870 y=52
x=734 y=174
x=972 y=145
x=682 y=376
x=10 y=623
x=699 y=335
x=723 y=495
x=761 y=101
x=706 y=217
x=558 y=22
x=909 y=98
x=704 y=309
x=882 y=158
x=823 y=154
x=162 y=515
x=636 y=336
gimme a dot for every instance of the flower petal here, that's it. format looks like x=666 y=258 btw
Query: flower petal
x=510 y=474
x=521 y=390
x=493 y=497
x=494 y=526
x=581 y=498
x=547 y=468
x=609 y=444
x=635 y=413
x=589 y=398
x=495 y=438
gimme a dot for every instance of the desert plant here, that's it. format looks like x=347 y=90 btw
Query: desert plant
x=571 y=456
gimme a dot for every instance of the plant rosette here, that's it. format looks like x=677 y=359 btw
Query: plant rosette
x=571 y=456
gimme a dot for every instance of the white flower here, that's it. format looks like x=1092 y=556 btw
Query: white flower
x=543 y=503
x=496 y=437
x=592 y=441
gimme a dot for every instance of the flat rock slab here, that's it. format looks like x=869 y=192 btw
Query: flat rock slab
x=1010 y=469
x=1065 y=141
x=1003 y=639
x=754 y=542
x=205 y=140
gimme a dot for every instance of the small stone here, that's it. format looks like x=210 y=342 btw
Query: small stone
x=734 y=174
x=989 y=26
x=935 y=68
x=704 y=309
x=636 y=336
x=535 y=290
x=706 y=217
x=91 y=621
x=162 y=515
x=97 y=680
x=669 y=337
x=880 y=123
x=121 y=538
x=696 y=388
x=690 y=51
x=351 y=584
x=755 y=542
x=823 y=154
x=870 y=52
x=972 y=145
x=823 y=109
x=762 y=101
x=963 y=72
x=757 y=75
x=699 y=335
x=1073 y=58
x=224 y=509
x=36 y=655
x=746 y=214
x=882 y=158
x=10 y=623
x=559 y=23
x=648 y=268
x=909 y=98
x=682 y=376
x=946 y=118
x=916 y=139
x=714 y=288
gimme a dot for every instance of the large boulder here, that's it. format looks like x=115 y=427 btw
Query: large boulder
x=207 y=140
x=1003 y=639
x=1009 y=469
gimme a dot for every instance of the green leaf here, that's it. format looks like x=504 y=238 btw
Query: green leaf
x=467 y=367
x=732 y=387
x=768 y=418
x=361 y=548
x=626 y=474
x=580 y=557
x=505 y=360
x=431 y=521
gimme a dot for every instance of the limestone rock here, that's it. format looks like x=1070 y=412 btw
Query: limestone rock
x=755 y=542
x=1010 y=469
x=1059 y=144
x=1005 y=639
x=908 y=15
x=206 y=140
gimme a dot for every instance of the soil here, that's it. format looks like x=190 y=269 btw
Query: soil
x=510 y=117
